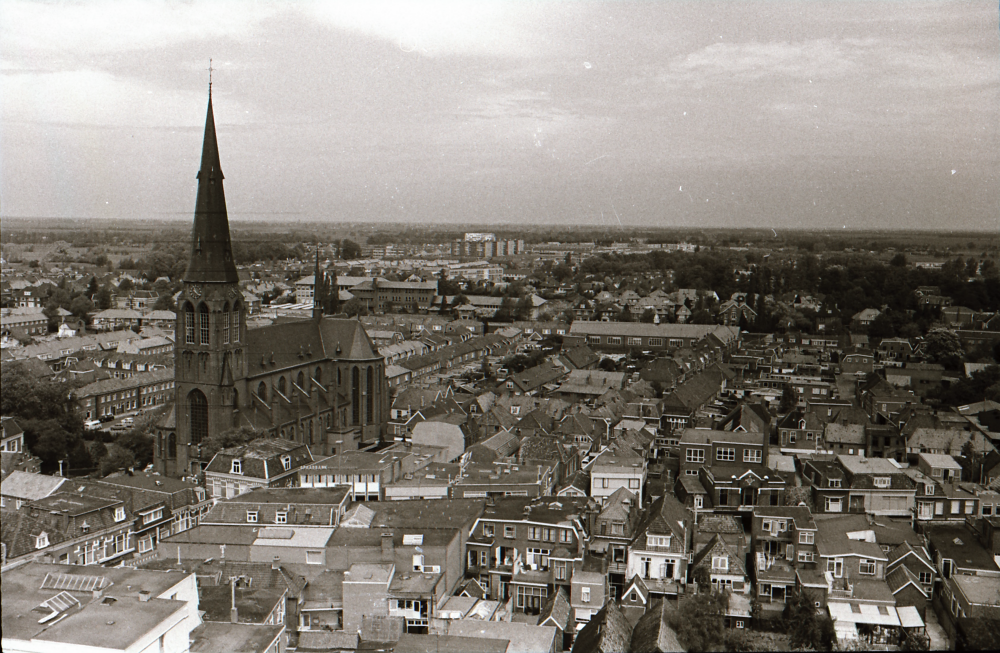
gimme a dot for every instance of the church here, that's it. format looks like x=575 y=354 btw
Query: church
x=317 y=381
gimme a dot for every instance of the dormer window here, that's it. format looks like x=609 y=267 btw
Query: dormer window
x=286 y=462
x=119 y=514
x=833 y=482
x=720 y=563
x=881 y=481
x=928 y=489
x=41 y=540
x=251 y=516
x=802 y=424
x=237 y=467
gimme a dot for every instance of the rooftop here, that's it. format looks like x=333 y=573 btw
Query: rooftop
x=218 y=637
x=104 y=624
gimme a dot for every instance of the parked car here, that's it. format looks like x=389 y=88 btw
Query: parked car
x=92 y=424
x=106 y=418
x=128 y=421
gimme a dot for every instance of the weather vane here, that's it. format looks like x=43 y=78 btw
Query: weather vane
x=210 y=74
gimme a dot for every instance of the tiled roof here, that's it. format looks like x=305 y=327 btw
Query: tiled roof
x=653 y=634
x=608 y=631
x=28 y=487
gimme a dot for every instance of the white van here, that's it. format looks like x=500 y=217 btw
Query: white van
x=92 y=425
x=128 y=421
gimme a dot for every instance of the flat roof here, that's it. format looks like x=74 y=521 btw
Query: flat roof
x=104 y=623
x=410 y=643
x=304 y=495
x=74 y=504
x=294 y=537
x=219 y=637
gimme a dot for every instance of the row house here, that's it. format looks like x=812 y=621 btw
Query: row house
x=117 y=396
x=739 y=487
x=116 y=319
x=164 y=505
x=21 y=326
x=861 y=485
x=910 y=574
x=617 y=467
x=524 y=548
x=783 y=541
x=660 y=551
x=265 y=462
x=800 y=430
x=298 y=507
x=11 y=436
x=682 y=405
x=623 y=336
x=723 y=566
x=614 y=529
x=71 y=527
x=704 y=448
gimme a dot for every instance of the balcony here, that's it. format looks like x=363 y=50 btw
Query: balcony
x=617 y=567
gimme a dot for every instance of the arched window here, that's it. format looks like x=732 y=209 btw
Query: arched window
x=236 y=399
x=319 y=375
x=236 y=322
x=198 y=406
x=339 y=381
x=370 y=399
x=281 y=386
x=225 y=323
x=310 y=432
x=355 y=396
x=171 y=445
x=262 y=391
x=301 y=381
x=203 y=324
x=188 y=324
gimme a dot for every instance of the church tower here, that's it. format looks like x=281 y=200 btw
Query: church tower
x=209 y=350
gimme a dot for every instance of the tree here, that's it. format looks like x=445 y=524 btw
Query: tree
x=881 y=326
x=700 y=621
x=81 y=306
x=349 y=249
x=648 y=316
x=808 y=628
x=944 y=347
x=231 y=438
x=126 y=285
x=92 y=287
x=355 y=306
x=899 y=260
x=165 y=302
x=788 y=398
x=102 y=300
x=117 y=458
x=330 y=301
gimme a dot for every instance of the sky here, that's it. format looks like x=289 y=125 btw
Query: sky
x=877 y=114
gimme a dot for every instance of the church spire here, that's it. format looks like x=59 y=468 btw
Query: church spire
x=211 y=251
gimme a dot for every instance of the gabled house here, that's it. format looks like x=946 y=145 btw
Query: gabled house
x=659 y=552
x=722 y=565
x=265 y=462
x=614 y=528
x=861 y=485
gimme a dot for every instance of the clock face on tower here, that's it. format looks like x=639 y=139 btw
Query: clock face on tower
x=195 y=291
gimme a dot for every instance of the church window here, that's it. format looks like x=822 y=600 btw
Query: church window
x=355 y=396
x=225 y=324
x=188 y=324
x=301 y=380
x=171 y=445
x=319 y=375
x=236 y=322
x=262 y=391
x=370 y=398
x=203 y=324
x=339 y=381
x=198 y=406
x=281 y=385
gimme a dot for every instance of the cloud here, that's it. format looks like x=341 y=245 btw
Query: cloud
x=97 y=98
x=752 y=61
x=36 y=33
x=442 y=27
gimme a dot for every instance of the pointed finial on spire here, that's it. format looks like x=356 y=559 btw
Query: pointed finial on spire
x=210 y=69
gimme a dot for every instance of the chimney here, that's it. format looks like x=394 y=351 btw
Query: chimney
x=145 y=595
x=276 y=563
x=388 y=547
